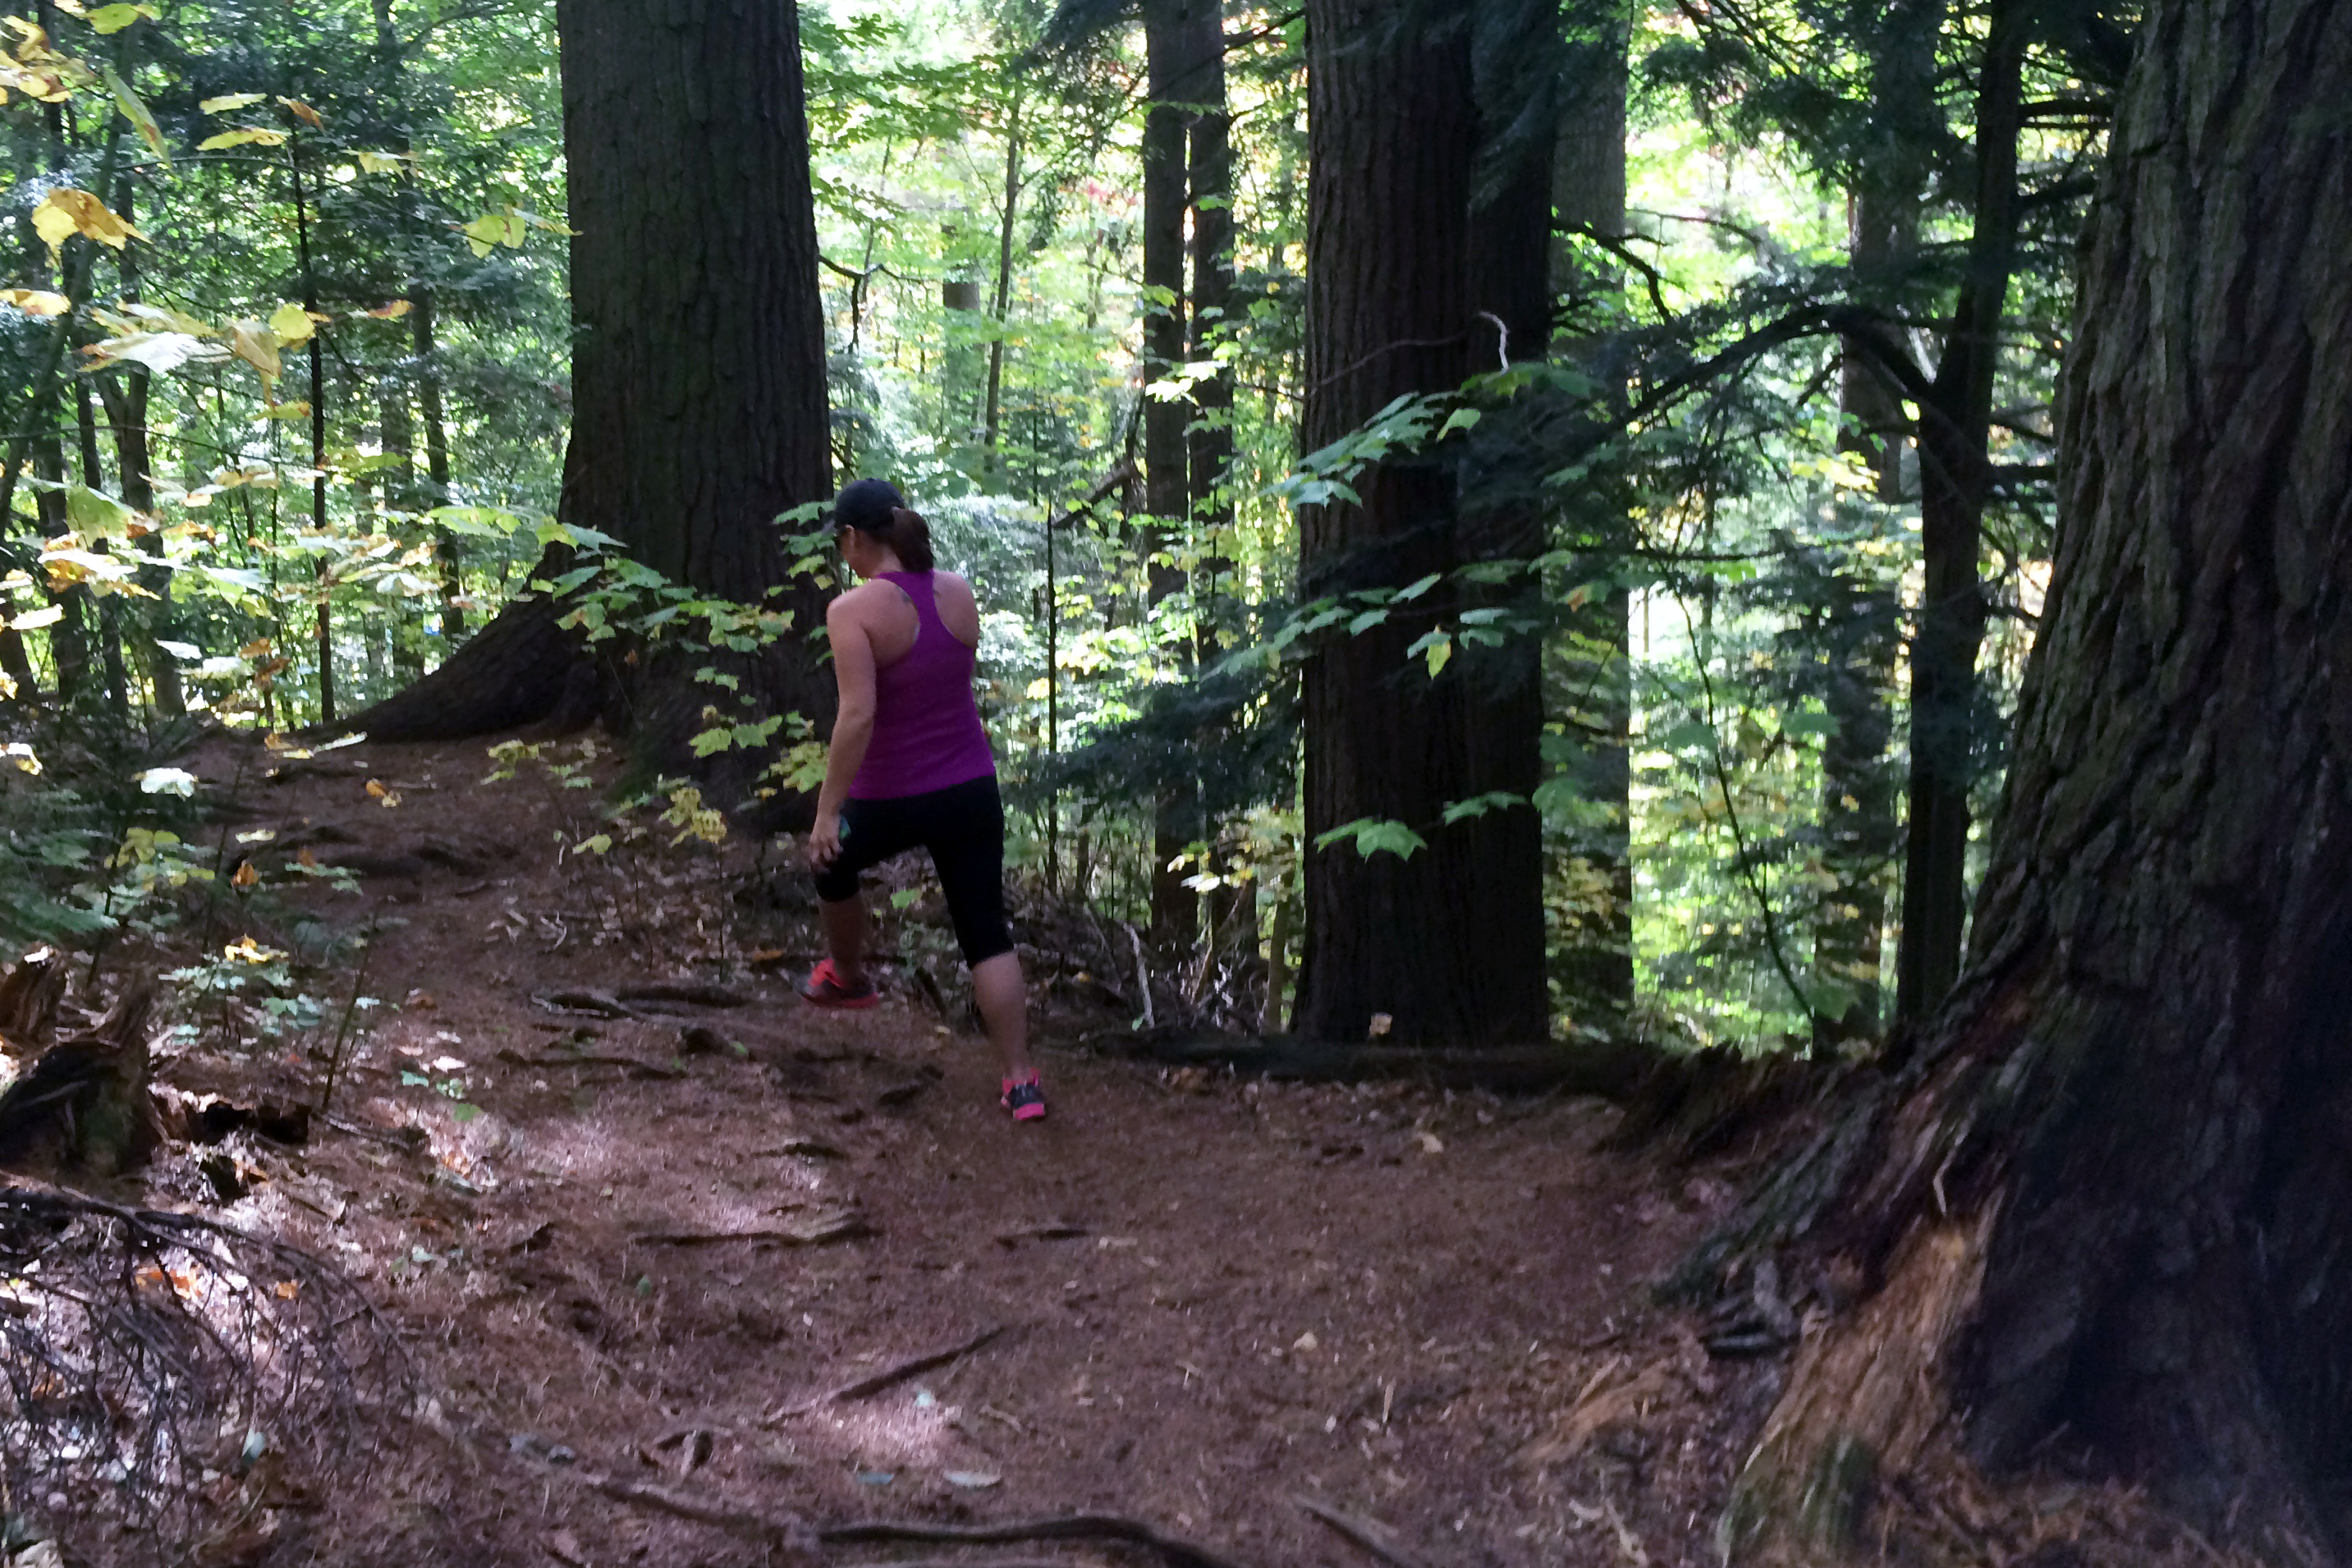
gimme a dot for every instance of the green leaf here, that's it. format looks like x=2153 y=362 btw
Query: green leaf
x=1373 y=836
x=1480 y=805
x=97 y=515
x=1460 y=419
x=1366 y=622
x=1417 y=589
x=1690 y=735
x=594 y=845
x=124 y=99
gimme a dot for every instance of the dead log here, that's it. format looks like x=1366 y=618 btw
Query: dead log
x=29 y=995
x=82 y=1108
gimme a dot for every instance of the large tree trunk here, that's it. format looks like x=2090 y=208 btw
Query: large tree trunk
x=698 y=365
x=1449 y=942
x=1592 y=961
x=2109 y=1188
x=1955 y=475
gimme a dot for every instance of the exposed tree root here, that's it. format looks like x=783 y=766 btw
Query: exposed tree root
x=1863 y=1397
x=1068 y=1527
x=516 y=671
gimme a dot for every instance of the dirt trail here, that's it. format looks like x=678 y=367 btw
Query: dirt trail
x=1215 y=1294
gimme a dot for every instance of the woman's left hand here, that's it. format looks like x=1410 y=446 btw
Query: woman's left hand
x=824 y=840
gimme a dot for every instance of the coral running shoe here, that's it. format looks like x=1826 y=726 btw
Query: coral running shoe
x=1025 y=1097
x=824 y=988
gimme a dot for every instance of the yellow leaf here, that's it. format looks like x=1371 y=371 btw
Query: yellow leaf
x=376 y=789
x=391 y=312
x=257 y=345
x=302 y=111
x=239 y=138
x=245 y=875
x=292 y=324
x=307 y=860
x=298 y=409
x=379 y=163
x=491 y=230
x=67 y=211
x=287 y=1289
x=232 y=101
x=36 y=301
x=53 y=224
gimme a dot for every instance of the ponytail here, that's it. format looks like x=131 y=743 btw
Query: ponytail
x=875 y=508
x=910 y=536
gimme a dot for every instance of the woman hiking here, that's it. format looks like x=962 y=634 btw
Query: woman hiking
x=909 y=764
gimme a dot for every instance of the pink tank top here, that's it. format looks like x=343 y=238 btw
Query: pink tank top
x=927 y=728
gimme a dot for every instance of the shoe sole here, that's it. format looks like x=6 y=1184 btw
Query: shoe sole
x=1030 y=1113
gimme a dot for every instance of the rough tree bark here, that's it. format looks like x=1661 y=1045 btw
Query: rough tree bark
x=1449 y=942
x=697 y=364
x=2108 y=1189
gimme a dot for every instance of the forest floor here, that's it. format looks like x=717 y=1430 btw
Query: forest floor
x=638 y=1214
x=626 y=1269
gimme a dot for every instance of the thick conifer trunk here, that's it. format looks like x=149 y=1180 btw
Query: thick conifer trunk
x=2110 y=1186
x=1449 y=942
x=697 y=361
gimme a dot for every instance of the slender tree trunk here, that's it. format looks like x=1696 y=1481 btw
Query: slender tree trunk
x=1175 y=33
x=324 y=577
x=1593 y=959
x=1451 y=950
x=446 y=551
x=110 y=607
x=1231 y=910
x=992 y=416
x=2108 y=1190
x=1954 y=476
x=1863 y=610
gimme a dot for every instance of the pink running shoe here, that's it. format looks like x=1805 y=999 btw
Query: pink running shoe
x=824 y=988
x=1025 y=1097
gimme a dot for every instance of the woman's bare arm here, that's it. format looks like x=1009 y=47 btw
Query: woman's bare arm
x=853 y=727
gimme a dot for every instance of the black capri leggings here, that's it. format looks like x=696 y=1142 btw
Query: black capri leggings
x=963 y=827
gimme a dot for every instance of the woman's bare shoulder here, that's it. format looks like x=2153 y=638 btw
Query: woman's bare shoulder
x=951 y=582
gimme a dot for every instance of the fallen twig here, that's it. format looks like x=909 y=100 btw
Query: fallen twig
x=1067 y=1526
x=1368 y=1535
x=897 y=1373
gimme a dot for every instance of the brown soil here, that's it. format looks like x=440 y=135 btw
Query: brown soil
x=1217 y=1296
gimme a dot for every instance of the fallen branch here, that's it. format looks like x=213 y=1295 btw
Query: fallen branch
x=788 y=1530
x=1068 y=1527
x=688 y=993
x=1368 y=1535
x=897 y=1373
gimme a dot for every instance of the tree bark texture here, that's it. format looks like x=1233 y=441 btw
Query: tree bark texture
x=1592 y=951
x=698 y=363
x=1955 y=473
x=1448 y=943
x=2109 y=1187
